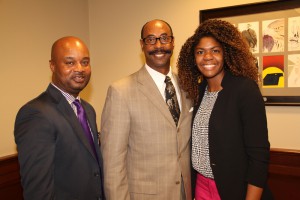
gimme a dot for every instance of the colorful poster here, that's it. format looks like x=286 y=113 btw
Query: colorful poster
x=273 y=35
x=273 y=71
x=250 y=32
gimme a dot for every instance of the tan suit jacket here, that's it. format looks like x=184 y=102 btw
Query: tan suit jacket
x=145 y=154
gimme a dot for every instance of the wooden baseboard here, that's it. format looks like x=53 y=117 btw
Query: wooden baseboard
x=10 y=185
x=284 y=175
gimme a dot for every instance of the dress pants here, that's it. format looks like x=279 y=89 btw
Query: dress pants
x=206 y=189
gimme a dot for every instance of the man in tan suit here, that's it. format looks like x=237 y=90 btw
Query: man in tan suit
x=146 y=155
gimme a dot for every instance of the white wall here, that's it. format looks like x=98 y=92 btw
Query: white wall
x=112 y=28
x=115 y=32
x=28 y=29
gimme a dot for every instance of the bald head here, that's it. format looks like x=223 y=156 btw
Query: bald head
x=70 y=64
x=153 y=22
x=66 y=42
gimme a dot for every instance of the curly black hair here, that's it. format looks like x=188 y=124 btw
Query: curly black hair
x=237 y=56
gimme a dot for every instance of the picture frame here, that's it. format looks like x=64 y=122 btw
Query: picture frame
x=273 y=32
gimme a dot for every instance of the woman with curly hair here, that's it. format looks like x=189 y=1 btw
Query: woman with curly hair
x=230 y=147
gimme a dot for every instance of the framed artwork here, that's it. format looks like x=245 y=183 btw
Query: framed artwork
x=272 y=30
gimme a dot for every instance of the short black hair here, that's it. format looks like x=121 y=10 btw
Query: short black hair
x=142 y=31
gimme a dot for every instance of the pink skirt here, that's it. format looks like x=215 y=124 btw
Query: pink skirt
x=206 y=189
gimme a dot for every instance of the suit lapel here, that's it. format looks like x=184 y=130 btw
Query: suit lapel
x=66 y=110
x=149 y=89
x=185 y=104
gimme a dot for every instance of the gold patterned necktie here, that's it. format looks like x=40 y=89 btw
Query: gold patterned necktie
x=171 y=99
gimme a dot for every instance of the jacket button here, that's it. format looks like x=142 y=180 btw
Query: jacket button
x=177 y=182
x=96 y=174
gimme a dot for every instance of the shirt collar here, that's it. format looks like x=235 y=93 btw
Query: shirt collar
x=157 y=76
x=68 y=97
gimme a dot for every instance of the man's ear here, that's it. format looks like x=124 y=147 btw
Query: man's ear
x=173 y=42
x=142 y=43
x=52 y=65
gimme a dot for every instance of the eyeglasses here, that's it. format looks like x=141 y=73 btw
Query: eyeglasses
x=163 y=39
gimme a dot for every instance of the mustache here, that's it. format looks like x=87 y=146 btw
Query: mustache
x=82 y=74
x=160 y=51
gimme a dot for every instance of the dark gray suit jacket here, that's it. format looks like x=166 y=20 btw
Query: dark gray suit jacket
x=56 y=159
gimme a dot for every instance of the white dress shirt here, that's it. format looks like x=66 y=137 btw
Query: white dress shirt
x=159 y=80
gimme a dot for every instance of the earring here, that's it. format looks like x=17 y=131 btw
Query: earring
x=200 y=78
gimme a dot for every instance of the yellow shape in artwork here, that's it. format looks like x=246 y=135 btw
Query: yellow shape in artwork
x=273 y=77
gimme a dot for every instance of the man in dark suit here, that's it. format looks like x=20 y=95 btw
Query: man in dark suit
x=59 y=159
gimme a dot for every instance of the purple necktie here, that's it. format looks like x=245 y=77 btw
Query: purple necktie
x=84 y=123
